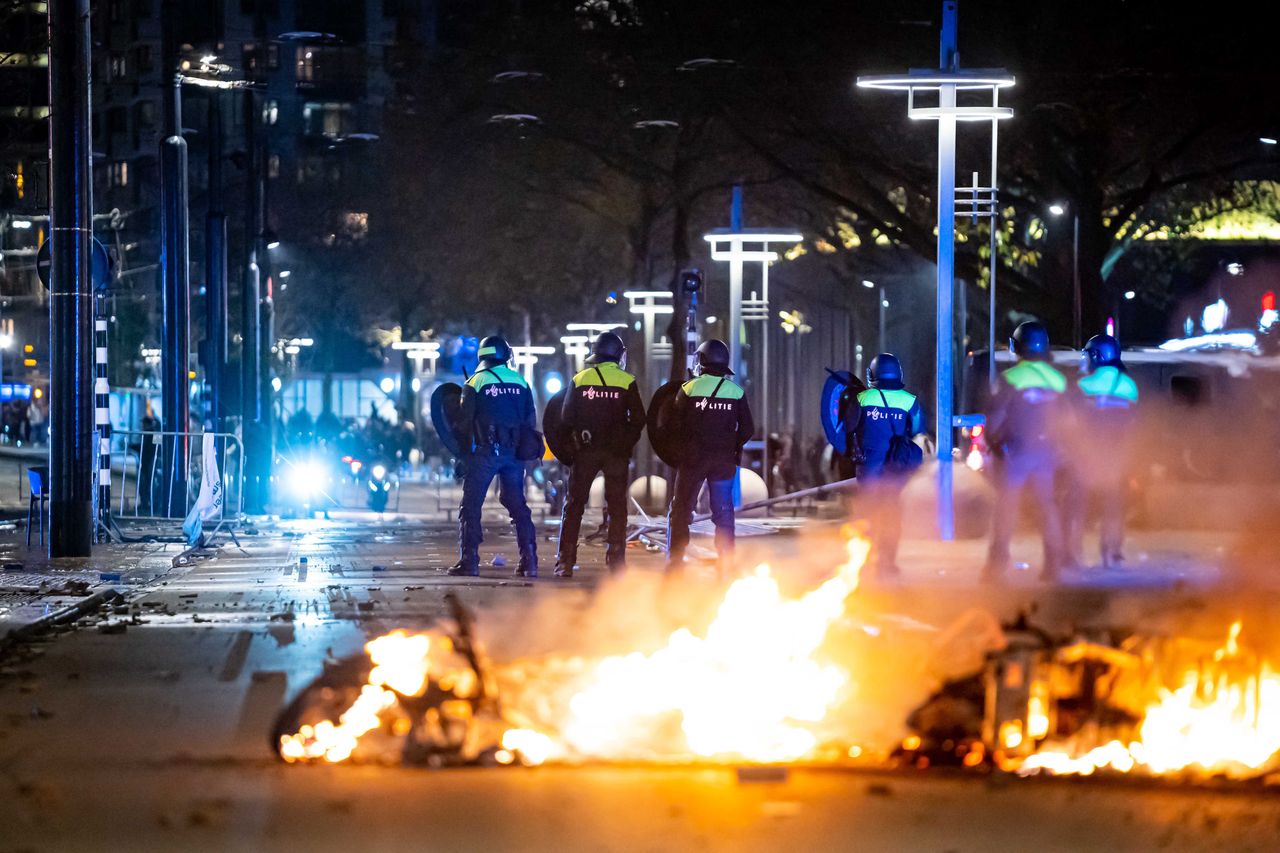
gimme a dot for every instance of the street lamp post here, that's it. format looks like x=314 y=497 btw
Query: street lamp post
x=1057 y=209
x=749 y=244
x=948 y=81
x=648 y=304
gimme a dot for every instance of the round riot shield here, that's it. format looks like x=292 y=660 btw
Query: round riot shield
x=558 y=435
x=665 y=443
x=838 y=384
x=446 y=403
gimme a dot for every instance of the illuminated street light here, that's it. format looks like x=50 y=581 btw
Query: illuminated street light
x=1267 y=140
x=646 y=304
x=525 y=357
x=1130 y=294
x=948 y=81
x=577 y=348
x=1057 y=209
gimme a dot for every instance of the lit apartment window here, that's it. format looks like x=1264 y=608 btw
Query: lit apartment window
x=118 y=174
x=330 y=119
x=270 y=111
x=273 y=166
x=119 y=68
x=306 y=65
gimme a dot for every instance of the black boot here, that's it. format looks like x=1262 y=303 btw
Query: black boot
x=528 y=567
x=463 y=569
x=564 y=570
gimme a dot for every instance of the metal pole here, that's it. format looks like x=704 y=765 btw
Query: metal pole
x=735 y=284
x=250 y=327
x=991 y=277
x=882 y=307
x=1075 y=276
x=215 y=272
x=766 y=329
x=70 y=292
x=946 y=269
x=174 y=263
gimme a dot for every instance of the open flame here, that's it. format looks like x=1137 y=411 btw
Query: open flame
x=1221 y=718
x=749 y=688
x=400 y=664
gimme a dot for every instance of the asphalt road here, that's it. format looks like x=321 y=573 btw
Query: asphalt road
x=156 y=737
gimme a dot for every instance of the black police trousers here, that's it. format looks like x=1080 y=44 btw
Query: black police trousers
x=481 y=468
x=689 y=479
x=586 y=466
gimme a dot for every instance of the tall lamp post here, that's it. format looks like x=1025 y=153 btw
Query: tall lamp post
x=648 y=304
x=1058 y=209
x=949 y=81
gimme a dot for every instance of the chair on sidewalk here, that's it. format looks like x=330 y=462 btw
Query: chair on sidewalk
x=38 y=476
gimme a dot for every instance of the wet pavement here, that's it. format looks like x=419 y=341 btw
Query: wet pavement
x=146 y=723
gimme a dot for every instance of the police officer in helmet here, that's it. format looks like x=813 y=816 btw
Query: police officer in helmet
x=1107 y=405
x=605 y=414
x=711 y=416
x=1027 y=418
x=872 y=420
x=497 y=425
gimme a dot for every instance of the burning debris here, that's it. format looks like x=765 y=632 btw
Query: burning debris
x=768 y=680
x=1156 y=706
x=429 y=693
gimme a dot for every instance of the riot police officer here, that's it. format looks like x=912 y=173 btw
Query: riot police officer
x=711 y=416
x=496 y=425
x=873 y=418
x=1107 y=404
x=605 y=416
x=1026 y=420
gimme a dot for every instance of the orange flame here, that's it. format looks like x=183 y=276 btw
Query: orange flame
x=748 y=688
x=1222 y=725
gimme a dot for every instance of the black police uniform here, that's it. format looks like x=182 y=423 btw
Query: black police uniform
x=495 y=413
x=1027 y=418
x=604 y=411
x=712 y=417
x=872 y=418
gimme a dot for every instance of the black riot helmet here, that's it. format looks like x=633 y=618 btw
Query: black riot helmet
x=1101 y=351
x=885 y=371
x=607 y=347
x=713 y=358
x=1030 y=341
x=494 y=350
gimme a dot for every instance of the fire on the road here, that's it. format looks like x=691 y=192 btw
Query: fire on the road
x=760 y=682
x=749 y=687
x=1221 y=718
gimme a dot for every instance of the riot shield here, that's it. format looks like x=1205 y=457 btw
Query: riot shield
x=446 y=403
x=665 y=443
x=839 y=383
x=558 y=435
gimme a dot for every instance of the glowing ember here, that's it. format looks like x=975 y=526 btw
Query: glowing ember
x=1220 y=719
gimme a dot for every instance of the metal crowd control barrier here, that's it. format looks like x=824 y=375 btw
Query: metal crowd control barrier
x=138 y=462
